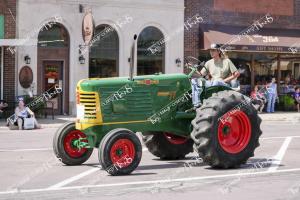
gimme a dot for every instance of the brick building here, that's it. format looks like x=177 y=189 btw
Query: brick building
x=260 y=36
x=7 y=58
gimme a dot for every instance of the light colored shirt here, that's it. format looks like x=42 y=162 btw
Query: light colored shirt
x=23 y=113
x=272 y=88
x=220 y=69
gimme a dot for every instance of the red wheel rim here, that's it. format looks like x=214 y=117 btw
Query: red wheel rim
x=122 y=152
x=235 y=132
x=174 y=139
x=69 y=147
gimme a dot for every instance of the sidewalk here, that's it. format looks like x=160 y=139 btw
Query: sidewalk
x=281 y=116
x=47 y=123
x=61 y=119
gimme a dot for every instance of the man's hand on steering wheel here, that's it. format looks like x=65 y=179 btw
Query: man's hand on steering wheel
x=192 y=61
x=193 y=64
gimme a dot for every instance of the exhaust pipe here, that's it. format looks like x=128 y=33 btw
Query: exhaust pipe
x=132 y=57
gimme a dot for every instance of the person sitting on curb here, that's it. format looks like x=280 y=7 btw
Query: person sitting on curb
x=3 y=105
x=22 y=112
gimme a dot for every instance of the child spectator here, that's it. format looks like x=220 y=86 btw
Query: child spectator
x=258 y=99
x=296 y=96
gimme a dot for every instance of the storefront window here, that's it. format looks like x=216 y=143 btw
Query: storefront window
x=150 y=62
x=56 y=36
x=104 y=53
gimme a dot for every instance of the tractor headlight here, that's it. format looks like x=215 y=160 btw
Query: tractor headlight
x=80 y=111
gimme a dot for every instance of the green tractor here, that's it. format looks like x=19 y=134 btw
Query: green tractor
x=224 y=130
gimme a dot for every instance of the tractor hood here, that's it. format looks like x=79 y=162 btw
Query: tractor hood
x=94 y=84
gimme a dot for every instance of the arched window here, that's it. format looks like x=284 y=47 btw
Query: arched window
x=54 y=36
x=104 y=53
x=150 y=51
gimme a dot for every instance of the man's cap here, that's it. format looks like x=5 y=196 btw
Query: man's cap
x=215 y=46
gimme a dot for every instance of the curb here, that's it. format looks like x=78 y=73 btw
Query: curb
x=282 y=119
x=42 y=125
x=294 y=118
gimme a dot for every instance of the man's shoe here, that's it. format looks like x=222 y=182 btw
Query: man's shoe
x=193 y=108
x=190 y=110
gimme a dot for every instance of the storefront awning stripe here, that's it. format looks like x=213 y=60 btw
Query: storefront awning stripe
x=259 y=40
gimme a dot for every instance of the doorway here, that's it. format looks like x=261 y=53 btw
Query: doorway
x=53 y=64
x=53 y=76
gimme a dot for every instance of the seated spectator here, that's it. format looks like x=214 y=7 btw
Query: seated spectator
x=258 y=99
x=3 y=105
x=296 y=96
x=22 y=112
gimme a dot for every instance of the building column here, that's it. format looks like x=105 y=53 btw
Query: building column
x=278 y=72
x=252 y=72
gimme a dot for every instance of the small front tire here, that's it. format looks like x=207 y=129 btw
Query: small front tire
x=120 y=152
x=63 y=146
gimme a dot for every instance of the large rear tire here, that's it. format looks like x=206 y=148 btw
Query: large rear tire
x=226 y=130
x=167 y=146
x=63 y=146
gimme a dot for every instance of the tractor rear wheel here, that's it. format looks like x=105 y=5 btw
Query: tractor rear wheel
x=64 y=148
x=226 y=130
x=120 y=152
x=167 y=146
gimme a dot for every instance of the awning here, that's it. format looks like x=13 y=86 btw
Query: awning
x=284 y=65
x=262 y=40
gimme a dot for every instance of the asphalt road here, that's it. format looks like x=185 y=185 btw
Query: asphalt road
x=29 y=170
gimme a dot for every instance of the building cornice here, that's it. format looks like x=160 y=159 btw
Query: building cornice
x=177 y=5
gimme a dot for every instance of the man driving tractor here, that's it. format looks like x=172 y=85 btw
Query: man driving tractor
x=221 y=71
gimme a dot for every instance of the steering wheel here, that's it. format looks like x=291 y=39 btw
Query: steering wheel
x=192 y=61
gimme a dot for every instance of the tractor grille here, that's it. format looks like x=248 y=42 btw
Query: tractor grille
x=89 y=100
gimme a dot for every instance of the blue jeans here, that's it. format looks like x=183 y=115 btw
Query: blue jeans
x=196 y=91
x=271 y=102
x=233 y=83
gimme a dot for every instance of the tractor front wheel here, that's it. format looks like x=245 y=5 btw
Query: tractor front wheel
x=120 y=152
x=226 y=130
x=64 y=148
x=167 y=146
